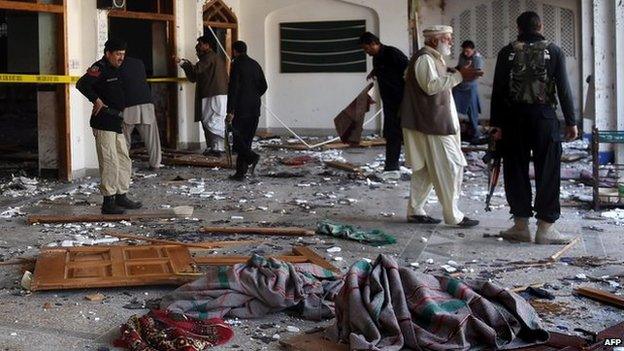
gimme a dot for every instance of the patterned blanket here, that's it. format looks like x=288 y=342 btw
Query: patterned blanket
x=257 y=288
x=164 y=331
x=384 y=307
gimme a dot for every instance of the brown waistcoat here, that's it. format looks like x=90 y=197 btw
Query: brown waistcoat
x=422 y=112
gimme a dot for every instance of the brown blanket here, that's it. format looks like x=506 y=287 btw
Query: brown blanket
x=350 y=122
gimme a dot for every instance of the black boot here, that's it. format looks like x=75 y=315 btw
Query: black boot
x=122 y=201
x=110 y=207
x=254 y=163
x=241 y=170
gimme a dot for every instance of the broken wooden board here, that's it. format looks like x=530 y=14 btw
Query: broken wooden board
x=291 y=231
x=330 y=146
x=134 y=215
x=301 y=254
x=204 y=245
x=558 y=254
x=193 y=161
x=312 y=342
x=343 y=166
x=601 y=296
x=565 y=342
x=112 y=266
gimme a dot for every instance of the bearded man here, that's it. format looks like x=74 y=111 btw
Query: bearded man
x=431 y=129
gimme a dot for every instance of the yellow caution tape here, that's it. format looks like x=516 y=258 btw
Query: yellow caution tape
x=36 y=79
x=57 y=79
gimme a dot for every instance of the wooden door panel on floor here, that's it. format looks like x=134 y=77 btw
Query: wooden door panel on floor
x=92 y=267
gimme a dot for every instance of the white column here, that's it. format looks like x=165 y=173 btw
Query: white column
x=587 y=62
x=619 y=59
x=188 y=24
x=605 y=69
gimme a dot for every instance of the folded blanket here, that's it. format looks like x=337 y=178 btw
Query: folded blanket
x=384 y=307
x=257 y=288
x=375 y=237
x=164 y=331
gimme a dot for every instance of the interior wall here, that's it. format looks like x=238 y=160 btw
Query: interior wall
x=311 y=100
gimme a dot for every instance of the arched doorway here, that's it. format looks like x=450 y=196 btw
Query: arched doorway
x=218 y=16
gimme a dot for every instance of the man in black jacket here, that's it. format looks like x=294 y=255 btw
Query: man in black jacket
x=389 y=65
x=139 y=111
x=529 y=73
x=247 y=85
x=102 y=85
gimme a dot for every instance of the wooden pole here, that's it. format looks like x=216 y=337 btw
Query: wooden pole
x=202 y=245
x=258 y=231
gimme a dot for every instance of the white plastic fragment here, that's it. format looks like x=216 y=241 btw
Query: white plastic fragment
x=26 y=280
x=292 y=329
x=430 y=261
x=415 y=264
x=338 y=258
x=334 y=249
x=449 y=269
x=581 y=276
x=423 y=240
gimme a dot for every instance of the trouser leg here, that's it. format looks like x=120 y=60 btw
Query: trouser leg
x=393 y=135
x=516 y=157
x=547 y=162
x=127 y=132
x=105 y=145
x=124 y=165
x=244 y=131
x=151 y=138
x=474 y=122
x=420 y=188
x=447 y=179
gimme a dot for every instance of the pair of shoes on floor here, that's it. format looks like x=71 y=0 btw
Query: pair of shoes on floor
x=423 y=220
x=465 y=223
x=546 y=233
x=117 y=204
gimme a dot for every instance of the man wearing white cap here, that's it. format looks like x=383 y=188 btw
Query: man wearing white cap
x=431 y=129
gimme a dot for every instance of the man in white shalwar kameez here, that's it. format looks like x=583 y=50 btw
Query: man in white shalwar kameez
x=210 y=74
x=431 y=130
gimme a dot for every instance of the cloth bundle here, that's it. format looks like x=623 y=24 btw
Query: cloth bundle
x=375 y=237
x=257 y=288
x=384 y=307
x=164 y=331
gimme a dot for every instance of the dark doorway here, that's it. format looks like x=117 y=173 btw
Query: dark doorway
x=28 y=112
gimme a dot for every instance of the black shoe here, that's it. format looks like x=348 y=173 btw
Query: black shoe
x=110 y=207
x=468 y=223
x=122 y=201
x=253 y=164
x=423 y=220
x=237 y=177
